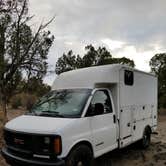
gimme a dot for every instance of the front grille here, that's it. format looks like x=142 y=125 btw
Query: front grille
x=28 y=144
x=18 y=140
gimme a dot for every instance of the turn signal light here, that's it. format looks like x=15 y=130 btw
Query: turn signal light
x=57 y=145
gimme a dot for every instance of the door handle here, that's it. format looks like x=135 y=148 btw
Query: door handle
x=114 y=118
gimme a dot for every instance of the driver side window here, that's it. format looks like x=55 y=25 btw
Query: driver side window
x=101 y=98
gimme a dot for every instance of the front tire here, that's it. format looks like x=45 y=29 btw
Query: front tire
x=80 y=156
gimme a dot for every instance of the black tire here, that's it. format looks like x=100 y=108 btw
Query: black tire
x=81 y=155
x=146 y=140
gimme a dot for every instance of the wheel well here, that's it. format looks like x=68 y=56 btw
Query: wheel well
x=82 y=143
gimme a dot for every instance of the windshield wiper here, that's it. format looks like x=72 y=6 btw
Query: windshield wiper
x=50 y=113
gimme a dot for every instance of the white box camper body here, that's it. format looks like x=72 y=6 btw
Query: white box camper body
x=135 y=105
x=133 y=96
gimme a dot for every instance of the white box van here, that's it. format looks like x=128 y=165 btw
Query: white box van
x=88 y=113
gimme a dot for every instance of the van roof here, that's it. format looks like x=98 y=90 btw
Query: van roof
x=88 y=77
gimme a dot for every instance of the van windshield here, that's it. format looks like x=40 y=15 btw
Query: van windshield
x=62 y=103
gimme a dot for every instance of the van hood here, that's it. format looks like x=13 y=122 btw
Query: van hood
x=38 y=124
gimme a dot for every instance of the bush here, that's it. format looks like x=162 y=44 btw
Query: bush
x=15 y=101
x=162 y=102
x=24 y=100
x=28 y=100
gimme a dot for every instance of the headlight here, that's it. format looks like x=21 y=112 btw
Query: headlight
x=47 y=140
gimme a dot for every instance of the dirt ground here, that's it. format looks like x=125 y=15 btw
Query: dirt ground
x=133 y=155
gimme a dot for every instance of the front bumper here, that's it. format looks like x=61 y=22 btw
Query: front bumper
x=16 y=160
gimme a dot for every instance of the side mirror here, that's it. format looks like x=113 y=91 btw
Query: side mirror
x=99 y=109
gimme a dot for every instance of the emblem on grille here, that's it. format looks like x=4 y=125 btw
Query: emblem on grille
x=18 y=141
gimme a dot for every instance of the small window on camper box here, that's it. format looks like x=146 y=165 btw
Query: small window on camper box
x=129 y=77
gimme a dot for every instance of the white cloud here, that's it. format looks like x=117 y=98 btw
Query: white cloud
x=141 y=58
x=112 y=44
x=68 y=43
x=49 y=79
x=134 y=29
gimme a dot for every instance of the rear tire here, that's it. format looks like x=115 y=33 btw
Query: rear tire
x=146 y=140
x=82 y=155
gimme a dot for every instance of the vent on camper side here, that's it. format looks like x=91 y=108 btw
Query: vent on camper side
x=128 y=77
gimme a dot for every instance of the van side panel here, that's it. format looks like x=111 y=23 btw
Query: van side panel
x=138 y=106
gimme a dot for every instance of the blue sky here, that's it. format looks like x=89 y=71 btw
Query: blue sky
x=131 y=28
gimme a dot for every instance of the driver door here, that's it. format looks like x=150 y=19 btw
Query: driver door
x=103 y=126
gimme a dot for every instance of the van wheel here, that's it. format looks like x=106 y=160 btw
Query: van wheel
x=80 y=156
x=145 y=142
